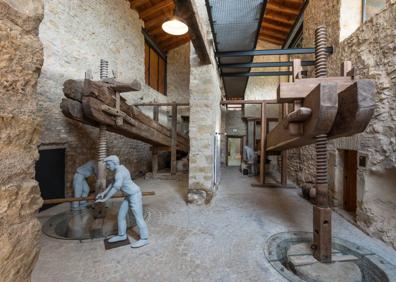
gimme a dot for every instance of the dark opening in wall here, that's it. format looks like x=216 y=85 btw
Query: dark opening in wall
x=50 y=174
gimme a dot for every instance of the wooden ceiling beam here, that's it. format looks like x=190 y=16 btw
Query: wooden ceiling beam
x=157 y=8
x=155 y=23
x=186 y=9
x=273 y=35
x=163 y=37
x=270 y=26
x=137 y=3
x=279 y=18
x=273 y=41
x=171 y=44
x=271 y=6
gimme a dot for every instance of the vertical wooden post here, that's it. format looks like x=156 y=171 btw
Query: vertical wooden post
x=254 y=135
x=174 y=140
x=262 y=144
x=285 y=110
x=155 y=149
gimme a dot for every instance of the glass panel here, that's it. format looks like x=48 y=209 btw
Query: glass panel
x=372 y=8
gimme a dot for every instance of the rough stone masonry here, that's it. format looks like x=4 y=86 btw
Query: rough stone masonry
x=21 y=58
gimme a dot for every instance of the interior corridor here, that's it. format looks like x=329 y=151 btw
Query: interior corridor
x=221 y=242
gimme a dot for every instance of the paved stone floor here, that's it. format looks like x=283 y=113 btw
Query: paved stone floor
x=221 y=242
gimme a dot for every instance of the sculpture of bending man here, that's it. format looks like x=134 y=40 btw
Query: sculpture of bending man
x=132 y=201
x=80 y=185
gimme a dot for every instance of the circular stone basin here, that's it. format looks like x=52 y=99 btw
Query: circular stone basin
x=289 y=254
x=82 y=225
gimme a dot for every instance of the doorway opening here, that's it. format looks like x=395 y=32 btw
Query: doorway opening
x=350 y=181
x=234 y=150
x=50 y=174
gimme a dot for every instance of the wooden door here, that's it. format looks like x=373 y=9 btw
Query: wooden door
x=350 y=177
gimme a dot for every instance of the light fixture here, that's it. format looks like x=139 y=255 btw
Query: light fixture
x=175 y=26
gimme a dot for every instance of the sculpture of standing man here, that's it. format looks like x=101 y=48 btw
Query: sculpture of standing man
x=132 y=201
x=80 y=185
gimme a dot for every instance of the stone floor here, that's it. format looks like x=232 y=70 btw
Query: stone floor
x=221 y=242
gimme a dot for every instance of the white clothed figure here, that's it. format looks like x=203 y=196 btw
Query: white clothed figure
x=80 y=185
x=133 y=201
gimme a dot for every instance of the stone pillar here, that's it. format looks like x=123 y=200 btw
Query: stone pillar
x=21 y=59
x=205 y=119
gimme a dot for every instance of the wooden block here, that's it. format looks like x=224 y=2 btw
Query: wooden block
x=109 y=246
x=301 y=88
x=322 y=243
x=323 y=101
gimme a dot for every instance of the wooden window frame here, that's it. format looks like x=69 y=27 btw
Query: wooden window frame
x=147 y=72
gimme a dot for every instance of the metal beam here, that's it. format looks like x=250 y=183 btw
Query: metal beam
x=271 y=52
x=265 y=64
x=248 y=74
x=247 y=102
x=161 y=104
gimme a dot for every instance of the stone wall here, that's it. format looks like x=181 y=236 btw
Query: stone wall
x=205 y=119
x=21 y=58
x=371 y=50
x=76 y=35
x=205 y=115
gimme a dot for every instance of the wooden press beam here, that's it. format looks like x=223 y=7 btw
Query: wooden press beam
x=262 y=144
x=323 y=101
x=284 y=155
x=94 y=103
x=185 y=9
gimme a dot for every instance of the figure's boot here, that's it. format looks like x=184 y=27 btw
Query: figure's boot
x=75 y=206
x=117 y=238
x=140 y=243
x=83 y=204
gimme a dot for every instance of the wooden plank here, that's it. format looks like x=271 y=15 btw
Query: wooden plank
x=161 y=76
x=350 y=178
x=270 y=26
x=153 y=75
x=174 y=140
x=273 y=34
x=155 y=23
x=146 y=62
x=171 y=44
x=270 y=40
x=282 y=9
x=157 y=8
x=280 y=18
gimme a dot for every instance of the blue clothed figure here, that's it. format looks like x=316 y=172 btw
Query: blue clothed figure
x=132 y=201
x=80 y=185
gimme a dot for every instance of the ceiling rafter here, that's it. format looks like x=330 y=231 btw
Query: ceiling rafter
x=154 y=13
x=156 y=9
x=279 y=19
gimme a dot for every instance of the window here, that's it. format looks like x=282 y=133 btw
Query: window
x=155 y=69
x=372 y=7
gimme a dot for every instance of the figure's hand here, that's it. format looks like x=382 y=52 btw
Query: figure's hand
x=100 y=196
x=100 y=200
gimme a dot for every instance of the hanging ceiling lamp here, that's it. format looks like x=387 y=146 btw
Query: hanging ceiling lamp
x=175 y=26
